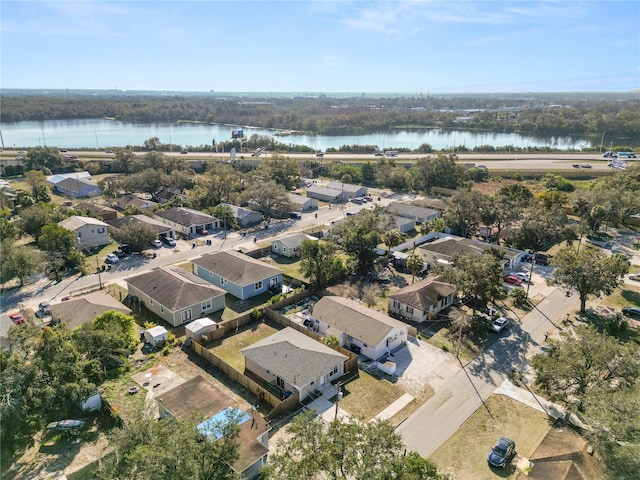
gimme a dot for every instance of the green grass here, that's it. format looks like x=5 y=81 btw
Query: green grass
x=465 y=453
x=624 y=296
x=366 y=396
x=229 y=348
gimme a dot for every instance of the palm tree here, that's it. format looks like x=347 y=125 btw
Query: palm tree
x=415 y=264
x=392 y=238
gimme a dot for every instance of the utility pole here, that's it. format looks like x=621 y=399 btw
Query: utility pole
x=339 y=397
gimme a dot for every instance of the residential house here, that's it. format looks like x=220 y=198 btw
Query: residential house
x=360 y=329
x=415 y=212
x=291 y=361
x=90 y=232
x=302 y=203
x=202 y=397
x=168 y=194
x=402 y=224
x=443 y=248
x=54 y=179
x=161 y=229
x=350 y=191
x=420 y=301
x=77 y=311
x=291 y=245
x=325 y=194
x=101 y=212
x=77 y=188
x=239 y=274
x=244 y=216
x=187 y=221
x=126 y=201
x=175 y=295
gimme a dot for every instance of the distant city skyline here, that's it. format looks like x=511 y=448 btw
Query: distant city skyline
x=307 y=46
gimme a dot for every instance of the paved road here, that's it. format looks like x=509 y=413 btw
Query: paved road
x=438 y=418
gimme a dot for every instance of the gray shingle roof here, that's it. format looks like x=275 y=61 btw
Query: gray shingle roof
x=295 y=240
x=353 y=318
x=450 y=245
x=85 y=309
x=412 y=210
x=186 y=216
x=236 y=267
x=175 y=288
x=158 y=226
x=424 y=293
x=347 y=187
x=293 y=356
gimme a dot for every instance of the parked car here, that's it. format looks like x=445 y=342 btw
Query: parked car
x=66 y=425
x=67 y=298
x=44 y=308
x=125 y=248
x=631 y=312
x=524 y=276
x=202 y=231
x=512 y=279
x=169 y=241
x=499 y=324
x=296 y=215
x=156 y=243
x=635 y=276
x=16 y=318
x=111 y=258
x=118 y=253
x=502 y=452
x=541 y=259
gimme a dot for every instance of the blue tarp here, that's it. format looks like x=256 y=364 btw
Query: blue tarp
x=212 y=426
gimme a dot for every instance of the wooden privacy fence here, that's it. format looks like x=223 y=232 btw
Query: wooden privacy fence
x=279 y=406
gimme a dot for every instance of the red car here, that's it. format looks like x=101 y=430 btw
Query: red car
x=16 y=318
x=513 y=280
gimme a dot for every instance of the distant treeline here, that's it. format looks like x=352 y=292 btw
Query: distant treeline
x=618 y=117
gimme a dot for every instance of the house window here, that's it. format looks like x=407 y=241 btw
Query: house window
x=280 y=382
x=151 y=301
x=186 y=315
x=211 y=274
x=223 y=280
x=257 y=285
x=79 y=234
x=161 y=308
x=206 y=305
x=334 y=371
x=275 y=247
x=409 y=310
x=101 y=230
x=284 y=249
x=396 y=304
x=273 y=282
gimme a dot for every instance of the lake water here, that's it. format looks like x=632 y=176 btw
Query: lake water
x=101 y=133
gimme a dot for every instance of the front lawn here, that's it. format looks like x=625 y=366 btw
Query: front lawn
x=366 y=396
x=464 y=454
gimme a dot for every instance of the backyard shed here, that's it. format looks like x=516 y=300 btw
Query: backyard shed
x=155 y=335
x=200 y=327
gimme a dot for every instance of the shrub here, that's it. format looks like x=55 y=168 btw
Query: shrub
x=166 y=350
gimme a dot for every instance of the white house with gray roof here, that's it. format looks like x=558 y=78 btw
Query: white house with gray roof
x=291 y=245
x=302 y=203
x=293 y=362
x=244 y=216
x=187 y=221
x=89 y=231
x=350 y=191
x=240 y=275
x=325 y=194
x=418 y=214
x=360 y=329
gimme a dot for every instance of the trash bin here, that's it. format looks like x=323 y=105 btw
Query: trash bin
x=193 y=245
x=208 y=242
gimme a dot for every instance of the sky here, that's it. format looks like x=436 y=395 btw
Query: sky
x=317 y=47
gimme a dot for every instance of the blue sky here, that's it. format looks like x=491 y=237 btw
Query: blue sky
x=335 y=46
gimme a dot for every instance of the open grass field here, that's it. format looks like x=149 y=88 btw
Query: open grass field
x=464 y=454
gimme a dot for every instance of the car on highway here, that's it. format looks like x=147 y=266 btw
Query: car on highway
x=609 y=154
x=499 y=324
x=21 y=152
x=502 y=452
x=111 y=258
x=635 y=276
x=183 y=152
x=108 y=151
x=576 y=165
x=379 y=154
x=631 y=312
x=16 y=318
x=156 y=243
x=512 y=279
x=481 y=166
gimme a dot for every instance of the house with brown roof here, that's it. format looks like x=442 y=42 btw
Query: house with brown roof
x=77 y=311
x=122 y=203
x=420 y=301
x=175 y=295
x=240 y=275
x=101 y=212
x=292 y=361
x=202 y=397
x=360 y=329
